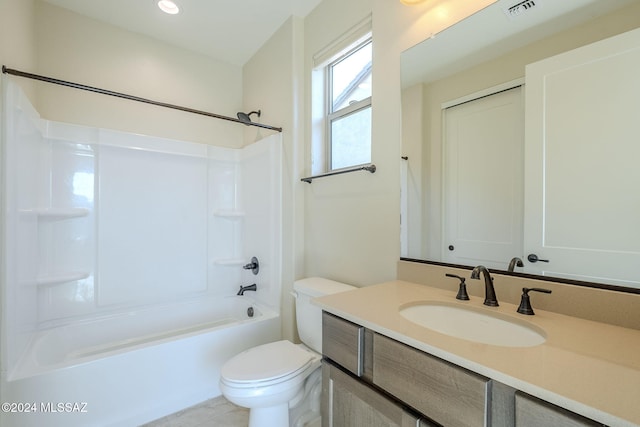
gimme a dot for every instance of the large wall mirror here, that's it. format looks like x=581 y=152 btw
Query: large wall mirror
x=521 y=142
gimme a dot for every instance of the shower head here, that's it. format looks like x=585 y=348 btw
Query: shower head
x=246 y=117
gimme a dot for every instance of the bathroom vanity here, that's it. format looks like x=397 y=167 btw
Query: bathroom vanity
x=384 y=368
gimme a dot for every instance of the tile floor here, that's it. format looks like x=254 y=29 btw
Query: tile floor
x=217 y=412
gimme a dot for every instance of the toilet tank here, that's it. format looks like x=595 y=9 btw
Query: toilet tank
x=309 y=316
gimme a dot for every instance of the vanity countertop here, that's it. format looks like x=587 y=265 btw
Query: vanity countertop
x=587 y=367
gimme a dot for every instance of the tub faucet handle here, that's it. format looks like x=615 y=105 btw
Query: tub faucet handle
x=254 y=265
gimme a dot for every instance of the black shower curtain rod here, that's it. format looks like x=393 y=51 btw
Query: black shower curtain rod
x=13 y=72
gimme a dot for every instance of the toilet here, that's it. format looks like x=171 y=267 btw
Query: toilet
x=281 y=382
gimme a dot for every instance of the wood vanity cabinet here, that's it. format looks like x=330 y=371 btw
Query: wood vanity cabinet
x=343 y=342
x=450 y=395
x=348 y=402
x=372 y=380
x=533 y=412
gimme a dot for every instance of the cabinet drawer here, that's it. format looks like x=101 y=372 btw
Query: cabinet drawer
x=447 y=394
x=533 y=412
x=343 y=342
x=350 y=402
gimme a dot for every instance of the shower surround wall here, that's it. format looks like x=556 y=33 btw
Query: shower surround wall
x=103 y=225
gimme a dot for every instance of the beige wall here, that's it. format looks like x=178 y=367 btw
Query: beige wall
x=342 y=212
x=79 y=49
x=352 y=220
x=346 y=227
x=17 y=39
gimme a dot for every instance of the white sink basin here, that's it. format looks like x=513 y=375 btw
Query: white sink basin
x=474 y=324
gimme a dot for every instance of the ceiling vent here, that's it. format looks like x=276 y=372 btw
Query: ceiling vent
x=521 y=8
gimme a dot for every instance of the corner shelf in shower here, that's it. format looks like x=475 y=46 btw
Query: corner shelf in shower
x=56 y=214
x=60 y=278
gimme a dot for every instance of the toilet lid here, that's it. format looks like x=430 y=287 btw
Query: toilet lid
x=266 y=363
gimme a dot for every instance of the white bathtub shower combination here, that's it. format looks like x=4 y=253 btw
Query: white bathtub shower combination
x=122 y=255
x=85 y=341
x=141 y=375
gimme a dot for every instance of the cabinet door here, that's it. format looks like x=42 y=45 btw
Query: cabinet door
x=343 y=342
x=448 y=394
x=533 y=412
x=581 y=172
x=348 y=402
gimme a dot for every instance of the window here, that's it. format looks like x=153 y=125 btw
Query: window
x=348 y=95
x=341 y=101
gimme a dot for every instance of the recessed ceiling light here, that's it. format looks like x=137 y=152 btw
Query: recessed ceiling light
x=168 y=6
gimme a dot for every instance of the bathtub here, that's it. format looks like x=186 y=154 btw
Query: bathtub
x=130 y=368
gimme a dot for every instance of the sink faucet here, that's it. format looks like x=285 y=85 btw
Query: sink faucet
x=515 y=262
x=243 y=289
x=489 y=292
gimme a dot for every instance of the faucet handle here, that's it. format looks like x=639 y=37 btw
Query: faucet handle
x=462 y=290
x=525 y=303
x=254 y=265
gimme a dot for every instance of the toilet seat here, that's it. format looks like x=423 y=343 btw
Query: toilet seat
x=266 y=365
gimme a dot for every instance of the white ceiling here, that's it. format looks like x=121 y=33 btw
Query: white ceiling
x=227 y=30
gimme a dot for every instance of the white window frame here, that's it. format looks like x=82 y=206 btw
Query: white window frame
x=331 y=115
x=346 y=44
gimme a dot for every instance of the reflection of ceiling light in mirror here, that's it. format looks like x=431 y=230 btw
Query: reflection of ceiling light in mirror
x=442 y=13
x=167 y=6
x=411 y=2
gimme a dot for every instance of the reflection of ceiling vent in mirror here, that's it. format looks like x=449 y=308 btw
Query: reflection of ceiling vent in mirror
x=521 y=8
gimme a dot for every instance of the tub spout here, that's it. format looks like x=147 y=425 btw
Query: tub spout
x=242 y=290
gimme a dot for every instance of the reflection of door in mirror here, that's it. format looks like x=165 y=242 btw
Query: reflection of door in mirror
x=602 y=178
x=483 y=180
x=582 y=151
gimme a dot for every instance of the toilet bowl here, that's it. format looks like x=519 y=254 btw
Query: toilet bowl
x=268 y=379
x=280 y=382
